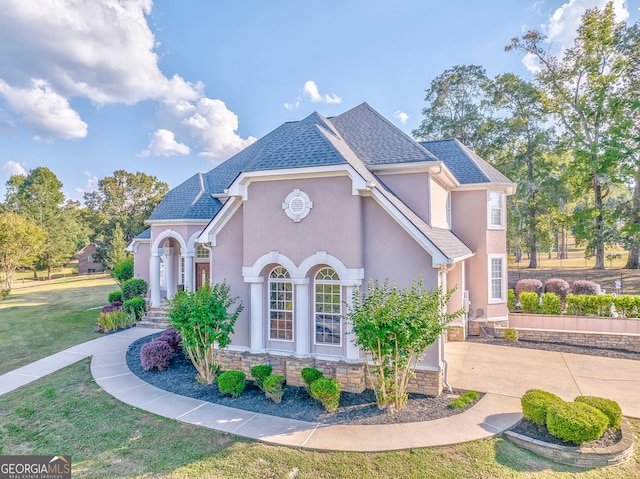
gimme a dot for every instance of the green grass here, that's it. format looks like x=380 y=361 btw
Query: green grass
x=67 y=413
x=48 y=317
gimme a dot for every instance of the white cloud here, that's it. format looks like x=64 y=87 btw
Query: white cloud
x=163 y=143
x=47 y=112
x=401 y=116
x=293 y=106
x=13 y=168
x=311 y=89
x=104 y=51
x=91 y=185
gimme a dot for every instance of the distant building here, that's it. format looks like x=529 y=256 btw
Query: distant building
x=86 y=260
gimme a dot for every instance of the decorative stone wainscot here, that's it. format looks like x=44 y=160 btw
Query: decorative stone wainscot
x=455 y=333
x=351 y=376
x=580 y=456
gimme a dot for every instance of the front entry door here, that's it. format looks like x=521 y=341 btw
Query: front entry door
x=202 y=274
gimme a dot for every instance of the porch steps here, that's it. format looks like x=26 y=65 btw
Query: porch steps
x=155 y=318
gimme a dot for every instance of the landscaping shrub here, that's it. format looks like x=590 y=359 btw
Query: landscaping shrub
x=327 y=391
x=576 y=422
x=610 y=408
x=589 y=305
x=122 y=271
x=274 y=387
x=309 y=375
x=528 y=286
x=259 y=374
x=232 y=383
x=511 y=335
x=464 y=400
x=155 y=355
x=114 y=306
x=627 y=306
x=529 y=302
x=4 y=293
x=536 y=402
x=558 y=286
x=135 y=306
x=511 y=300
x=132 y=288
x=115 y=296
x=113 y=320
x=582 y=286
x=171 y=337
x=550 y=304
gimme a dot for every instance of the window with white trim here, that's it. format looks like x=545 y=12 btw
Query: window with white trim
x=201 y=252
x=280 y=305
x=162 y=275
x=496 y=209
x=497 y=278
x=328 y=306
x=181 y=270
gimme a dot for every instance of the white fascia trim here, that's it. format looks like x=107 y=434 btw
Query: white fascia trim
x=241 y=184
x=437 y=257
x=133 y=246
x=508 y=188
x=175 y=222
x=412 y=167
x=222 y=217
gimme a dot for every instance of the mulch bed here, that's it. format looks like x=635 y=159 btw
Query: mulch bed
x=296 y=403
x=529 y=428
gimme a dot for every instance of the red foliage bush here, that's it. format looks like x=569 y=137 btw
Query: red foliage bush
x=529 y=285
x=582 y=286
x=558 y=286
x=114 y=306
x=171 y=337
x=155 y=355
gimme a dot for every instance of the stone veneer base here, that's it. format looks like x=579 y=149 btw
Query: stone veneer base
x=580 y=456
x=351 y=375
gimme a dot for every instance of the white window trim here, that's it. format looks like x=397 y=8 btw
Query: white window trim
x=492 y=300
x=502 y=224
x=271 y=280
x=336 y=282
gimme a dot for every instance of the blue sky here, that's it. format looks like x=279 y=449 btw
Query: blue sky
x=171 y=87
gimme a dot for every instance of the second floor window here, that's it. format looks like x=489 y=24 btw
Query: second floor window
x=496 y=213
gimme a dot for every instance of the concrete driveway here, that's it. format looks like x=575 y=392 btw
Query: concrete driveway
x=512 y=371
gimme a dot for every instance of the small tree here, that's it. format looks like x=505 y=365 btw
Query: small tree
x=205 y=320
x=394 y=327
x=122 y=271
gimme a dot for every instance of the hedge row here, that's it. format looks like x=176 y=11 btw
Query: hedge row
x=605 y=305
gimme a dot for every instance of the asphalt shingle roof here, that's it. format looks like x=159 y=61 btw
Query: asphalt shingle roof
x=360 y=137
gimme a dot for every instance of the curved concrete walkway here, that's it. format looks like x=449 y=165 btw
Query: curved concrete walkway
x=504 y=373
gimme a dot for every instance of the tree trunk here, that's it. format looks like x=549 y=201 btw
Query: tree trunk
x=634 y=252
x=532 y=238
x=598 y=240
x=49 y=273
x=35 y=273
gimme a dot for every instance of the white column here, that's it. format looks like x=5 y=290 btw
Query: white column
x=302 y=320
x=188 y=271
x=169 y=280
x=257 y=306
x=353 y=351
x=154 y=280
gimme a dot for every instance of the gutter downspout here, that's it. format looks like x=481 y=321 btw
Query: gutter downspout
x=443 y=284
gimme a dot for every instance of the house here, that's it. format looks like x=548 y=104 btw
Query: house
x=86 y=260
x=316 y=208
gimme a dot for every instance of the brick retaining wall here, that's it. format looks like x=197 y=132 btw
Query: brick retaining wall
x=627 y=342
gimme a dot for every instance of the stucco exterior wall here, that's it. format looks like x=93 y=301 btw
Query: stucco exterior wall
x=412 y=188
x=141 y=261
x=438 y=204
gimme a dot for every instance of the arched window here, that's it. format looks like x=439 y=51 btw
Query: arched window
x=280 y=305
x=328 y=307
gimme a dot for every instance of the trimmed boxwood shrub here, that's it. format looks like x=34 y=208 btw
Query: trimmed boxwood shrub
x=135 y=306
x=134 y=287
x=310 y=375
x=171 y=337
x=610 y=408
x=260 y=373
x=558 y=286
x=155 y=355
x=550 y=304
x=529 y=286
x=627 y=306
x=327 y=391
x=582 y=286
x=511 y=300
x=464 y=400
x=536 y=402
x=115 y=296
x=232 y=383
x=274 y=387
x=576 y=422
x=511 y=335
x=589 y=305
x=529 y=302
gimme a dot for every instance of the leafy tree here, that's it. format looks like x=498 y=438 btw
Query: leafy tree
x=394 y=327
x=584 y=92
x=127 y=199
x=122 y=271
x=457 y=106
x=115 y=249
x=205 y=319
x=20 y=242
